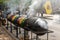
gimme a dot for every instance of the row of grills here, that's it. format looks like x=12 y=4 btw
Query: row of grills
x=34 y=24
x=31 y=24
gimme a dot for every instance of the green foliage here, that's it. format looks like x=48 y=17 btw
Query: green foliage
x=2 y=1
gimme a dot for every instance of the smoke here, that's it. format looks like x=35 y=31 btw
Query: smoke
x=17 y=4
x=35 y=7
x=13 y=5
x=24 y=4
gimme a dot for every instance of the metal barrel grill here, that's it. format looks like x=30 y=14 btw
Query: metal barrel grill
x=33 y=24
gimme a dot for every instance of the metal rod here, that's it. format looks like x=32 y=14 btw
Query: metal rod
x=17 y=32
x=10 y=27
x=36 y=37
x=47 y=36
x=26 y=35
x=31 y=35
x=7 y=25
